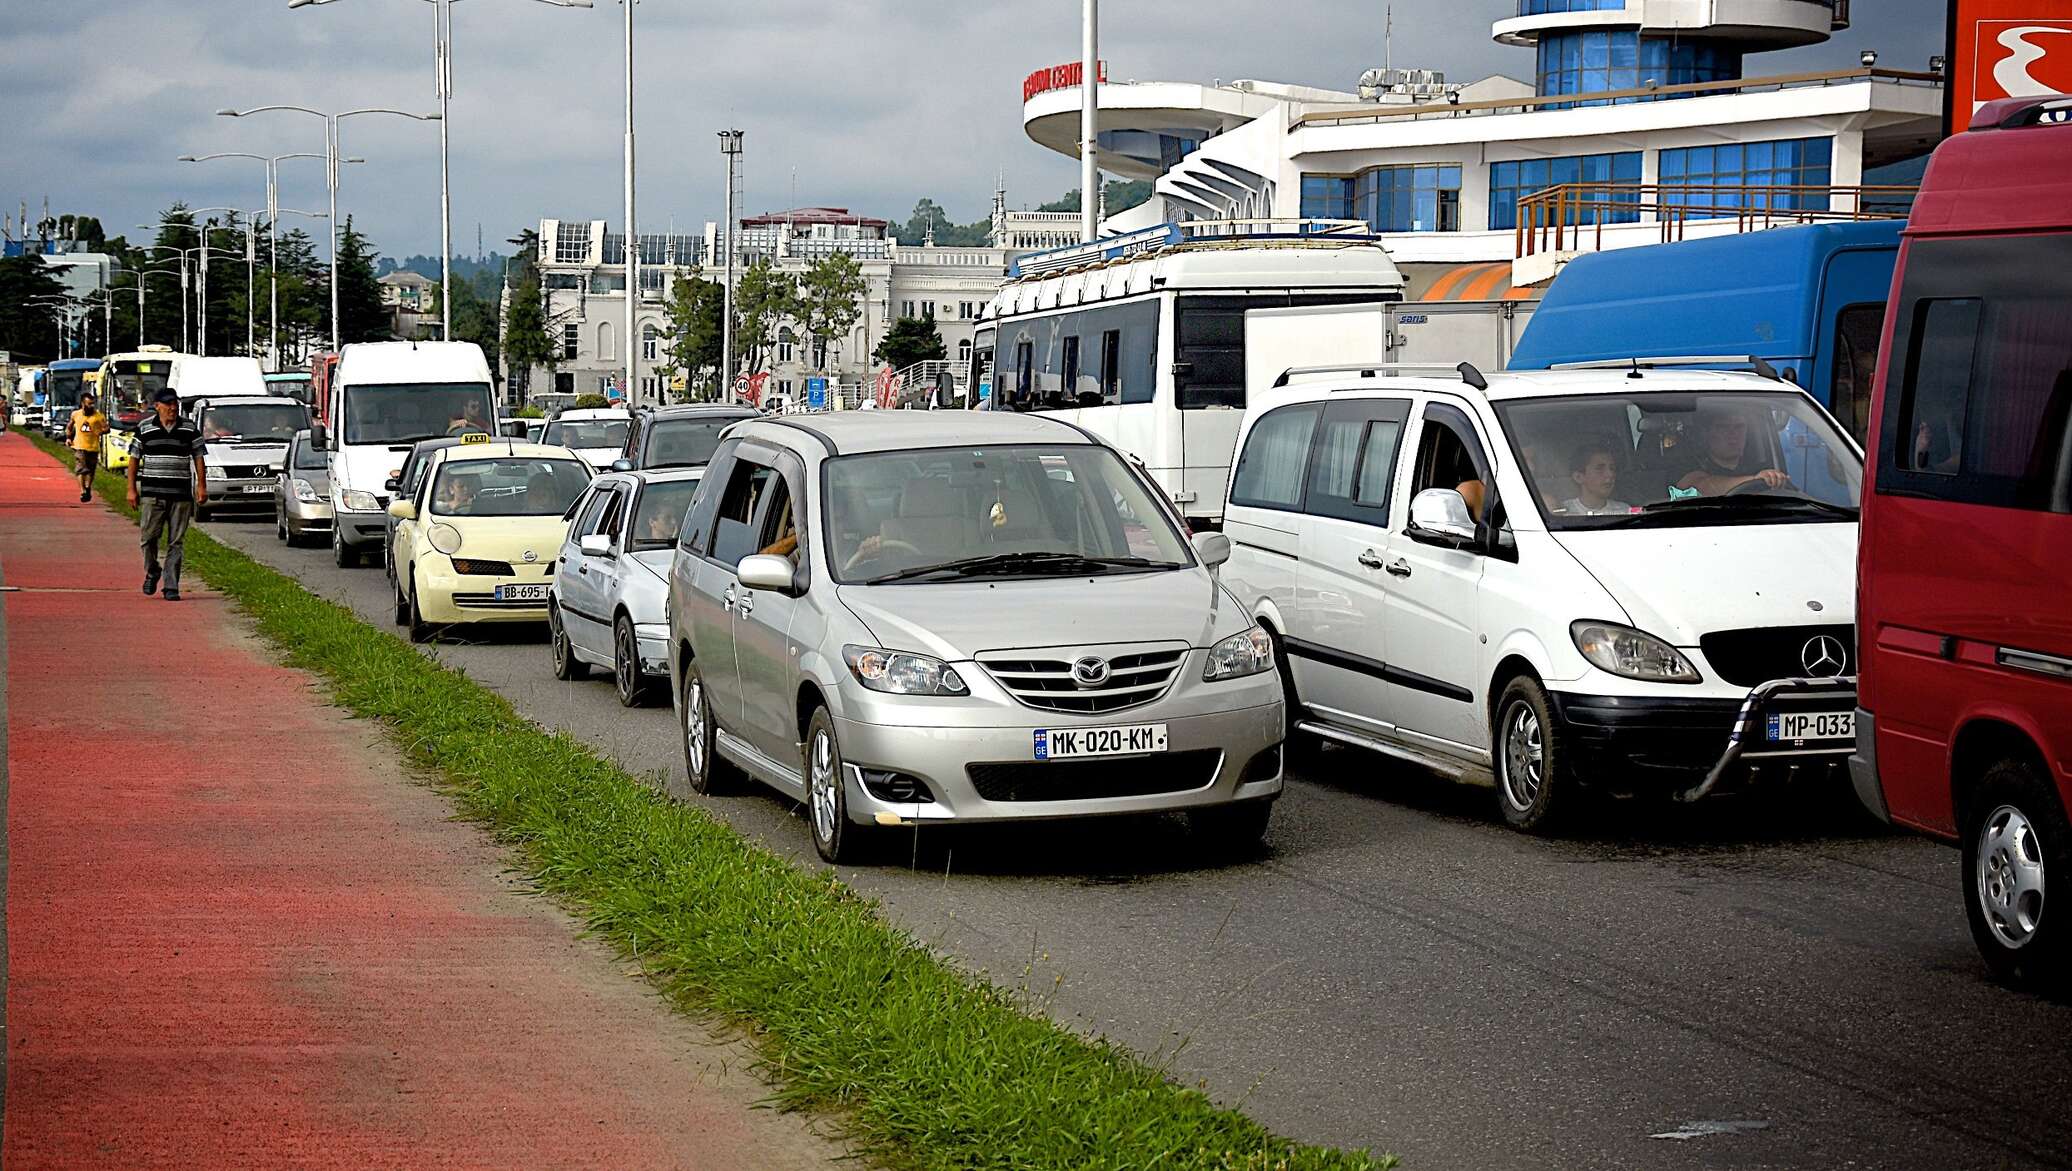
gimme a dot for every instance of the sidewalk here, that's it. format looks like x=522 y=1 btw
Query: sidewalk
x=239 y=935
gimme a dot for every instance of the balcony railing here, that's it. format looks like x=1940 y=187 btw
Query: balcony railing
x=1572 y=217
x=1647 y=93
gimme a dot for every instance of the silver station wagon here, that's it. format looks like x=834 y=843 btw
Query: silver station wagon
x=901 y=618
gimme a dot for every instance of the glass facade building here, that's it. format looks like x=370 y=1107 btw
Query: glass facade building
x=1600 y=61
x=1510 y=182
x=1793 y=162
x=1413 y=198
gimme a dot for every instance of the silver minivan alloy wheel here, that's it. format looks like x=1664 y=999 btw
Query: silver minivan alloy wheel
x=626 y=661
x=694 y=727
x=820 y=785
x=1523 y=752
x=2010 y=876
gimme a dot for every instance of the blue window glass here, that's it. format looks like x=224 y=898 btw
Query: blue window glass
x=1722 y=180
x=1412 y=198
x=1327 y=197
x=1510 y=182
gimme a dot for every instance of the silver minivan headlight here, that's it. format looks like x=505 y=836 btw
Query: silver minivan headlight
x=900 y=673
x=1630 y=653
x=1246 y=653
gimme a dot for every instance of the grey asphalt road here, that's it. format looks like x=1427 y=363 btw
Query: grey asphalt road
x=1754 y=982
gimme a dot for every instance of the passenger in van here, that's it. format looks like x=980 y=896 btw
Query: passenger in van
x=1595 y=470
x=1728 y=460
x=787 y=542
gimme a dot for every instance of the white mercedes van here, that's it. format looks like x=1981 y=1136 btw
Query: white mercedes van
x=1640 y=579
x=383 y=398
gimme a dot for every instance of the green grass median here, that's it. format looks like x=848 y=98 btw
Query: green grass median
x=925 y=1065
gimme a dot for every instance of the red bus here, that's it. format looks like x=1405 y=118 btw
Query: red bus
x=322 y=367
x=1964 y=575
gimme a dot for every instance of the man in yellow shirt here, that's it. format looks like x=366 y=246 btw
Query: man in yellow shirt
x=84 y=433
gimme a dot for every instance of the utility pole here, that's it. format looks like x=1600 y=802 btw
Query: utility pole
x=1089 y=129
x=730 y=146
x=632 y=340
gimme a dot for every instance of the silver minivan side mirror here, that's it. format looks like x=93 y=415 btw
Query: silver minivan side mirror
x=1439 y=516
x=1212 y=548
x=595 y=545
x=765 y=571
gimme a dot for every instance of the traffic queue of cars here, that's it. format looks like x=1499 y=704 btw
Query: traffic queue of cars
x=1634 y=577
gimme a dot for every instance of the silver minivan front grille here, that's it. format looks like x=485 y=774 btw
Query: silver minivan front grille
x=1068 y=681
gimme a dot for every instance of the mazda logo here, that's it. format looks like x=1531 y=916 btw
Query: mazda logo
x=1824 y=657
x=1090 y=671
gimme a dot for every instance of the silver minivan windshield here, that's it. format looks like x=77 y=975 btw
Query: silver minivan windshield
x=1680 y=458
x=398 y=413
x=942 y=514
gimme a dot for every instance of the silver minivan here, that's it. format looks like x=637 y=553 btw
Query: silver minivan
x=901 y=618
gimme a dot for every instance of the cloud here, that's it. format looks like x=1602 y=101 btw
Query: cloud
x=871 y=104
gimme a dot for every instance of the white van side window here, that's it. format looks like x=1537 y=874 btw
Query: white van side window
x=1270 y=472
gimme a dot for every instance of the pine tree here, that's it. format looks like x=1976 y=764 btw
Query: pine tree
x=361 y=317
x=911 y=340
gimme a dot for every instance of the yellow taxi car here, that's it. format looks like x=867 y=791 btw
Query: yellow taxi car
x=477 y=541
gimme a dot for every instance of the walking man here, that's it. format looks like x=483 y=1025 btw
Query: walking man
x=166 y=479
x=83 y=432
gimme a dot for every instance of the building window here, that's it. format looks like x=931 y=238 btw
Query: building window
x=607 y=349
x=1408 y=199
x=650 y=344
x=1542 y=7
x=1513 y=181
x=1727 y=178
x=571 y=341
x=785 y=340
x=819 y=355
x=571 y=243
x=928 y=310
x=963 y=351
x=1327 y=197
x=906 y=308
x=1595 y=62
x=964 y=310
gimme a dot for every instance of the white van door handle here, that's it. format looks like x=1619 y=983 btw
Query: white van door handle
x=726 y=600
x=1370 y=559
x=1399 y=567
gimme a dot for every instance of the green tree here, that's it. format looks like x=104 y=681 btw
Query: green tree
x=911 y=340
x=361 y=316
x=764 y=301
x=830 y=300
x=526 y=341
x=474 y=315
x=929 y=217
x=29 y=330
x=1122 y=196
x=696 y=310
x=590 y=402
x=304 y=292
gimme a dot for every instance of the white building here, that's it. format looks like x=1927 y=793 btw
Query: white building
x=583 y=272
x=1640 y=125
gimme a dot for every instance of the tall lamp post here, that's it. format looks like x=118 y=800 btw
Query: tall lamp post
x=1089 y=122
x=273 y=215
x=442 y=19
x=331 y=161
x=730 y=146
x=632 y=232
x=139 y=274
x=185 y=280
x=201 y=291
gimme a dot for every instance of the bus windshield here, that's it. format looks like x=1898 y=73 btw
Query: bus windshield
x=132 y=384
x=64 y=387
x=407 y=412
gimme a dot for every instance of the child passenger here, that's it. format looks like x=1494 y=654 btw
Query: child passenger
x=1595 y=470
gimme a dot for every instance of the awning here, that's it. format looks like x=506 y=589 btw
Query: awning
x=1479 y=282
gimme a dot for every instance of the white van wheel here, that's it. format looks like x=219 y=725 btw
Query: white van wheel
x=1529 y=755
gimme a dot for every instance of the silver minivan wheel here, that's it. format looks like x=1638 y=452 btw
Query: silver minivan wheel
x=696 y=752
x=820 y=784
x=1522 y=756
x=2009 y=871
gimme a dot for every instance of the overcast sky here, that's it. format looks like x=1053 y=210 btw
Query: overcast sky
x=872 y=104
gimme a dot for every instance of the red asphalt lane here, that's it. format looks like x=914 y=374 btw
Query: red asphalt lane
x=241 y=936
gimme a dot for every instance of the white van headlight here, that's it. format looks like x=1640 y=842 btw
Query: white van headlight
x=900 y=673
x=1245 y=653
x=358 y=501
x=1627 y=652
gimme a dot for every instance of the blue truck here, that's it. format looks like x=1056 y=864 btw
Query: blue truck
x=1809 y=300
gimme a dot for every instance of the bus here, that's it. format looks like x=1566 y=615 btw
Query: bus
x=63 y=383
x=1964 y=718
x=1140 y=338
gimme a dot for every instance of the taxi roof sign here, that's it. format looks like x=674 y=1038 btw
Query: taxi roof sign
x=475 y=437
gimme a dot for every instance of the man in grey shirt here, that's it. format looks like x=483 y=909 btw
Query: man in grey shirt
x=167 y=477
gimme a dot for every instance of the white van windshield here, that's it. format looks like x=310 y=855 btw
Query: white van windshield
x=274 y=422
x=1683 y=458
x=1034 y=511
x=407 y=412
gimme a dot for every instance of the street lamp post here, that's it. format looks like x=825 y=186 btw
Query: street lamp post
x=139 y=274
x=182 y=253
x=1089 y=122
x=273 y=214
x=442 y=19
x=730 y=146
x=330 y=173
x=632 y=232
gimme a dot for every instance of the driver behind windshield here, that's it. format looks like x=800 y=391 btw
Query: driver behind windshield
x=1727 y=459
x=470 y=418
x=457 y=496
x=1595 y=469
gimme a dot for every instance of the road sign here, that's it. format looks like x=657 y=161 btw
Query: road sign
x=816 y=394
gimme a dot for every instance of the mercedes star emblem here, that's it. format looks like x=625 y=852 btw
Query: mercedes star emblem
x=1090 y=671
x=1824 y=657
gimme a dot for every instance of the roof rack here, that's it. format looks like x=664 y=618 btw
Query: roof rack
x=1636 y=364
x=1466 y=371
